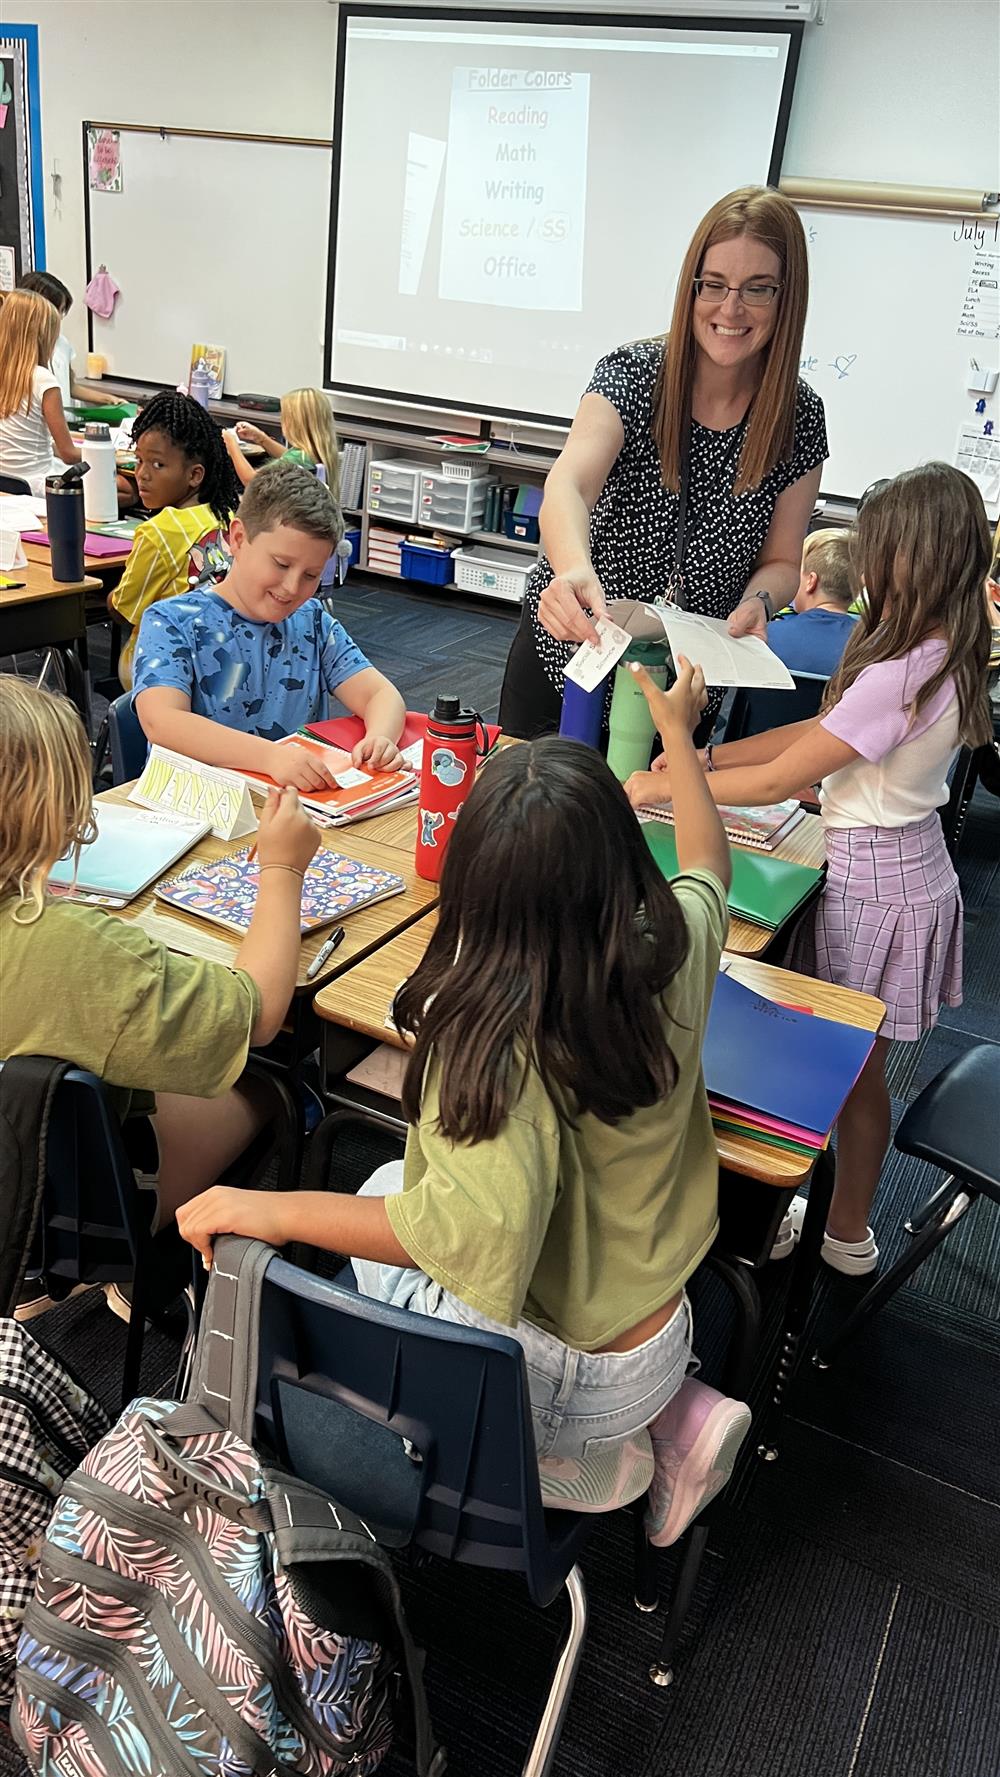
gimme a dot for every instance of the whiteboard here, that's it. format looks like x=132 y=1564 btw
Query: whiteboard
x=882 y=345
x=221 y=242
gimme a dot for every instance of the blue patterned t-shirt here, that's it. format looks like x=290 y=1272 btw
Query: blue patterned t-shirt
x=262 y=678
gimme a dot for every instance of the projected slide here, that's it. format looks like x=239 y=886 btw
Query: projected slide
x=513 y=199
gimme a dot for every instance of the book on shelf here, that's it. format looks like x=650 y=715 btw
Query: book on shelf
x=355 y=793
x=763 y=828
x=456 y=441
x=133 y=847
x=225 y=892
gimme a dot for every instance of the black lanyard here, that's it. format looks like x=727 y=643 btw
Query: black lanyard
x=676 y=585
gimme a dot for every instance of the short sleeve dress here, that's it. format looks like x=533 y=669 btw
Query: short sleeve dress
x=633 y=526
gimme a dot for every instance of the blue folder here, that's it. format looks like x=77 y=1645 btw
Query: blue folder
x=787 y=1064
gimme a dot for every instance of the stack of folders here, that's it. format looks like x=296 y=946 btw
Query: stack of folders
x=383 y=550
x=352 y=473
x=764 y=828
x=765 y=890
x=355 y=794
x=776 y=1073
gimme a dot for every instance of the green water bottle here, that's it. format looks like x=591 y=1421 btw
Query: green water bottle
x=632 y=727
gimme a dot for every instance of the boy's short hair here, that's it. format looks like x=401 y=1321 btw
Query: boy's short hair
x=286 y=493
x=827 y=554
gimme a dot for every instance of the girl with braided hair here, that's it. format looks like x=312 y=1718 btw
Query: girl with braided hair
x=186 y=480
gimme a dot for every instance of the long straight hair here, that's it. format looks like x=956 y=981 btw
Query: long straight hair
x=769 y=218
x=45 y=790
x=307 y=422
x=29 y=328
x=922 y=549
x=556 y=936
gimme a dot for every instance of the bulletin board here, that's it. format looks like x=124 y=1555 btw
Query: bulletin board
x=22 y=221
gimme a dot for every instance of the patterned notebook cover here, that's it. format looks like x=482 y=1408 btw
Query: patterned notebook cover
x=226 y=892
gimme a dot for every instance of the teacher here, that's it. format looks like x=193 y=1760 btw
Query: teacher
x=692 y=467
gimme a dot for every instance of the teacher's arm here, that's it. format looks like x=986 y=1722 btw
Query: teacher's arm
x=780 y=561
x=572 y=489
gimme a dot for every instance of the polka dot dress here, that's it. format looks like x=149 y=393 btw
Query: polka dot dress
x=633 y=526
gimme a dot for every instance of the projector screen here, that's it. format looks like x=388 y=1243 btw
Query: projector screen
x=512 y=198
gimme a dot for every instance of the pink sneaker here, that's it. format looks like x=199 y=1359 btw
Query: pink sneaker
x=695 y=1440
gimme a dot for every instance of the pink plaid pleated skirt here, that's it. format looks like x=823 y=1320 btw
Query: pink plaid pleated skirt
x=889 y=922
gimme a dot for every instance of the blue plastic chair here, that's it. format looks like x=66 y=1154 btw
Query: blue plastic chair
x=424 y=1429
x=756 y=710
x=129 y=745
x=94 y=1225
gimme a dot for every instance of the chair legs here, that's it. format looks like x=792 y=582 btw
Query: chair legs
x=740 y=1360
x=930 y=1234
x=542 y=1756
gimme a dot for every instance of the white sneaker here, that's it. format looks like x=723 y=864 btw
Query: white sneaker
x=853 y=1258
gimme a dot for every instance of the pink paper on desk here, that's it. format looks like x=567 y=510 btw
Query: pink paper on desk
x=793 y=1131
x=93 y=544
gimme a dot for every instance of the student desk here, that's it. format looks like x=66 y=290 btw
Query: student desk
x=360 y=1000
x=97 y=565
x=47 y=613
x=398 y=829
x=364 y=930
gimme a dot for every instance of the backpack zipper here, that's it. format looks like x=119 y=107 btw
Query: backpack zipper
x=44 y=1423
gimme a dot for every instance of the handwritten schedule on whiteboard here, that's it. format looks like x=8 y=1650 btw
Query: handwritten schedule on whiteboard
x=981 y=304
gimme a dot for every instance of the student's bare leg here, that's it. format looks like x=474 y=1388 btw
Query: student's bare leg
x=199 y=1137
x=863 y=1130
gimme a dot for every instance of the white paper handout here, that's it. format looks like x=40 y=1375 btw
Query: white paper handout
x=724 y=659
x=593 y=661
x=185 y=786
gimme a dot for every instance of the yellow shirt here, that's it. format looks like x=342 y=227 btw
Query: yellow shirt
x=94 y=990
x=581 y=1231
x=157 y=567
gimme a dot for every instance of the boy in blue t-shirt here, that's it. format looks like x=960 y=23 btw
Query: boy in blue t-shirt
x=813 y=635
x=223 y=672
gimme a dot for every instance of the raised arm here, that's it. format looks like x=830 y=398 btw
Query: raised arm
x=701 y=837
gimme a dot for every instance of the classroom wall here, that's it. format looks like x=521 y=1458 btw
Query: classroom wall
x=897 y=90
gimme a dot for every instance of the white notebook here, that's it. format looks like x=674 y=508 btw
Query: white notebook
x=134 y=847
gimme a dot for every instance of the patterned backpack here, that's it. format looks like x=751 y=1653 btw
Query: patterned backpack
x=198 y=1612
x=47 y=1425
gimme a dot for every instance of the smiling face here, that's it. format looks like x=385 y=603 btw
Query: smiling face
x=730 y=333
x=274 y=572
x=164 y=474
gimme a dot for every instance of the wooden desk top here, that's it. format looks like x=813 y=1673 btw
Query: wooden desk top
x=38 y=581
x=361 y=999
x=93 y=564
x=364 y=930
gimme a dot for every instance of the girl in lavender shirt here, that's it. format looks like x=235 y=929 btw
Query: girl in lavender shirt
x=910 y=689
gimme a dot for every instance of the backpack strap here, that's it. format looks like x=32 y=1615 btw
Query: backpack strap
x=27 y=1088
x=224 y=1371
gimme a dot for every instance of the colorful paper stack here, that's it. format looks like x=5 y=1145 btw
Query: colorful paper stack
x=777 y=1074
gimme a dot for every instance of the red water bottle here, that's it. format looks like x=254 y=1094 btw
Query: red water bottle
x=447 y=774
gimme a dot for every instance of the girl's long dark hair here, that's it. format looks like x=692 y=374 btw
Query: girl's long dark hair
x=556 y=936
x=922 y=549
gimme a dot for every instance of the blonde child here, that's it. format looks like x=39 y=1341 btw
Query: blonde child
x=34 y=436
x=560 y=1178
x=310 y=438
x=168 y=1033
x=224 y=672
x=46 y=284
x=911 y=687
x=812 y=636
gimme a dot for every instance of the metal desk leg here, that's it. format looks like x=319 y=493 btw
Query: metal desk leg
x=805 y=1263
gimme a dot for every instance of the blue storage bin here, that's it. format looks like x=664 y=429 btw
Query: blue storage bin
x=432 y=566
x=353 y=537
x=521 y=527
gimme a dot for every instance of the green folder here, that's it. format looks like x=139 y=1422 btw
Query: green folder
x=765 y=890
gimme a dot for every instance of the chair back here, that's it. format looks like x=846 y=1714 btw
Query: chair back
x=92 y=1225
x=129 y=745
x=13 y=484
x=421 y=1426
x=756 y=710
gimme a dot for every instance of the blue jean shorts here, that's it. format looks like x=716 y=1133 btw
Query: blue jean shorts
x=582 y=1402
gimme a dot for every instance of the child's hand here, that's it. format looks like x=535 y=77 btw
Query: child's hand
x=223 y=1210
x=286 y=834
x=377 y=753
x=648 y=789
x=675 y=711
x=299 y=769
x=251 y=434
x=231 y=443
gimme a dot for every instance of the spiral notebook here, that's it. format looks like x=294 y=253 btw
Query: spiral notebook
x=764 y=828
x=226 y=892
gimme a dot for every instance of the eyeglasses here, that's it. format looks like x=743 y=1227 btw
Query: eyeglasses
x=754 y=295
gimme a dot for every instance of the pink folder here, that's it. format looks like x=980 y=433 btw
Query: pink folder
x=93 y=544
